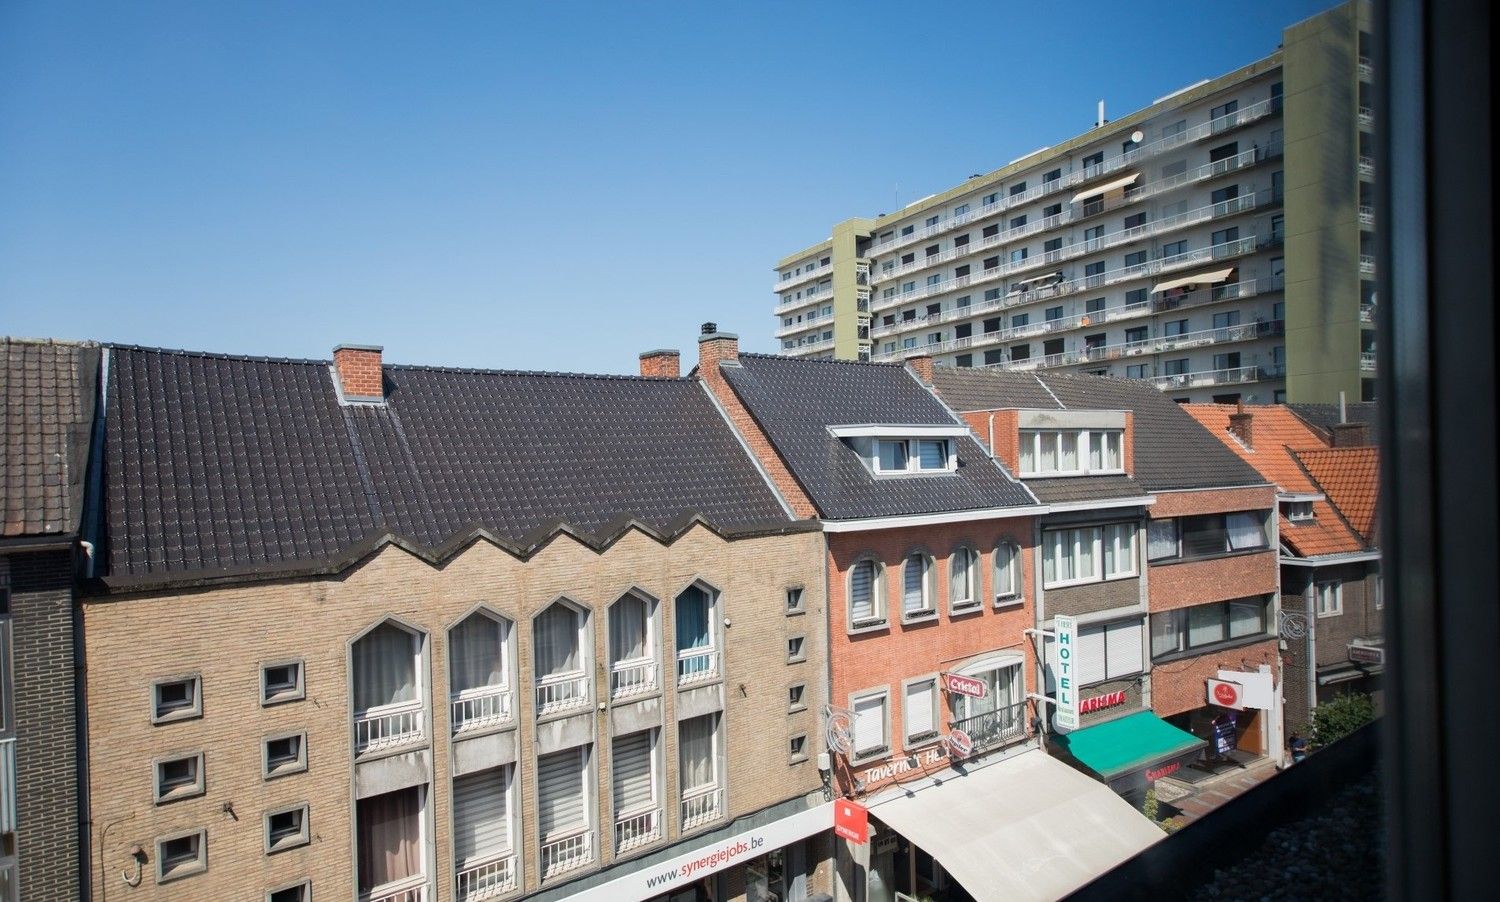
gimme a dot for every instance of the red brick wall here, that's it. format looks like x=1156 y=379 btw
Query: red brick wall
x=1212 y=501
x=1178 y=686
x=359 y=372
x=661 y=364
x=899 y=652
x=1127 y=449
x=1007 y=434
x=1181 y=585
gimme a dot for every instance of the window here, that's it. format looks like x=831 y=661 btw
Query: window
x=1135 y=220
x=697 y=628
x=931 y=221
x=920 y=710
x=913 y=455
x=1225 y=194
x=1007 y=574
x=1106 y=651
x=632 y=653
x=1246 y=531
x=1093 y=159
x=301 y=892
x=181 y=856
x=1070 y=452
x=482 y=804
x=963 y=575
x=1223 y=152
x=794 y=695
x=1177 y=367
x=286 y=829
x=563 y=806
x=1051 y=211
x=176 y=699
x=916 y=587
x=870 y=726
x=866 y=594
x=1174 y=248
x=282 y=755
x=1175 y=129
x=797 y=748
x=999 y=716
x=633 y=785
x=796 y=650
x=1118 y=542
x=1135 y=258
x=1330 y=598
x=991 y=198
x=1017 y=221
x=1017 y=255
x=179 y=778
x=1017 y=188
x=1223 y=110
x=1175 y=168
x=1298 y=510
x=1093 y=233
x=892 y=457
x=1224 y=236
x=1052 y=245
x=1020 y=319
x=1136 y=371
x=387 y=694
x=932 y=250
x=479 y=672
x=1161 y=540
x=281 y=682
x=1215 y=534
x=698 y=768
x=794 y=600
x=1187 y=629
x=1088 y=554
x=558 y=659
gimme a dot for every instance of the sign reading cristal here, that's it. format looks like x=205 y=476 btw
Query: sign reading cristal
x=1066 y=631
x=962 y=685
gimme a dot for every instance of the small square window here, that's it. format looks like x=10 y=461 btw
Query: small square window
x=794 y=600
x=180 y=698
x=285 y=755
x=286 y=829
x=794 y=695
x=301 y=892
x=796 y=650
x=181 y=856
x=797 y=746
x=179 y=778
x=281 y=682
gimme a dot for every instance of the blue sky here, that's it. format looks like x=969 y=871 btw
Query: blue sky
x=531 y=186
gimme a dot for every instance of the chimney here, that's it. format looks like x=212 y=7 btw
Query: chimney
x=921 y=367
x=714 y=348
x=1239 y=425
x=663 y=363
x=1351 y=435
x=358 y=367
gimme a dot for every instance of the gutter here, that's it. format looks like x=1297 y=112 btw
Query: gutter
x=864 y=524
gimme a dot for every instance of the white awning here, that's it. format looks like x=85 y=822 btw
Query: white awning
x=1105 y=188
x=1028 y=827
x=1029 y=279
x=1200 y=278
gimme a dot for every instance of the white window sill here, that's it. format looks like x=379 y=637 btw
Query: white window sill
x=1009 y=601
x=960 y=608
x=919 y=616
x=868 y=626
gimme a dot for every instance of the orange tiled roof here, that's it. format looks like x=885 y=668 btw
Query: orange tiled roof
x=1277 y=435
x=1351 y=479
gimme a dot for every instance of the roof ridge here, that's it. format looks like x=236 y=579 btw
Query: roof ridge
x=761 y=356
x=212 y=355
x=57 y=342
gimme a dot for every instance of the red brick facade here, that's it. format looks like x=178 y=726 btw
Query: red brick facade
x=661 y=364
x=359 y=371
x=1178 y=686
x=1187 y=583
x=1212 y=501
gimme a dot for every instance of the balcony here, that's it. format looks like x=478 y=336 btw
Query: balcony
x=630 y=678
x=1366 y=69
x=701 y=806
x=1078 y=177
x=1207 y=378
x=697 y=666
x=808 y=347
x=1366 y=117
x=567 y=853
x=1367 y=313
x=1366 y=216
x=412 y=889
x=489 y=879
x=635 y=830
x=557 y=694
x=993 y=729
x=1366 y=265
x=1367 y=167
x=7 y=786
x=806 y=301
x=479 y=709
x=1367 y=362
x=813 y=321
x=387 y=727
x=801 y=279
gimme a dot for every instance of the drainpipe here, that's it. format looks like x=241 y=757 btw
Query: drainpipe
x=1310 y=604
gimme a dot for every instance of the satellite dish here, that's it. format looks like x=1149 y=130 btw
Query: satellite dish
x=1137 y=136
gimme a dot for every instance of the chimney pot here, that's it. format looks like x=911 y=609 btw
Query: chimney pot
x=714 y=348
x=359 y=372
x=708 y=328
x=663 y=363
x=1240 y=425
x=921 y=367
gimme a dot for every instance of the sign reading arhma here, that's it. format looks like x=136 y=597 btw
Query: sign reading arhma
x=1066 y=631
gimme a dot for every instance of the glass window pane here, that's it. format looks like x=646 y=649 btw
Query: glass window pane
x=932 y=455
x=1246 y=618
x=1068 y=448
x=1087 y=565
x=1161 y=539
x=1047 y=462
x=1028 y=452
x=1096 y=450
x=892 y=456
x=1166 y=633
x=1205 y=624
x=862 y=590
x=1245 y=531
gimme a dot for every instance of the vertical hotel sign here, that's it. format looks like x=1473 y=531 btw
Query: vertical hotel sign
x=1065 y=629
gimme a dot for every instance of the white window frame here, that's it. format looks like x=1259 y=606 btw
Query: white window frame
x=913 y=448
x=297 y=766
x=1299 y=511
x=195 y=681
x=1332 y=589
x=879 y=617
x=649 y=645
x=1012 y=594
x=928 y=609
x=1097 y=535
x=301 y=838
x=962 y=602
x=191 y=790
x=884 y=694
x=186 y=869
x=1028 y=461
x=910 y=739
x=1124 y=551
x=296 y=692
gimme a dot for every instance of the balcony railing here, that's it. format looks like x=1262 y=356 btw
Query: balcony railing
x=561 y=693
x=388 y=726
x=567 y=852
x=1366 y=265
x=412 y=889
x=993 y=729
x=478 y=709
x=806 y=299
x=700 y=806
x=635 y=830
x=7 y=785
x=1367 y=361
x=1080 y=176
x=488 y=879
x=1366 y=68
x=806 y=275
x=1366 y=117
x=1366 y=215
x=627 y=678
x=1207 y=378
x=1367 y=166
x=813 y=321
x=1366 y=313
x=697 y=665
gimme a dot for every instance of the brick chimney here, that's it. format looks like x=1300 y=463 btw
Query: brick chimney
x=360 y=376
x=663 y=363
x=1351 y=435
x=714 y=348
x=921 y=367
x=1240 y=425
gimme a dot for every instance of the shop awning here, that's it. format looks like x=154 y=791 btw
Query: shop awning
x=1028 y=827
x=1200 y=278
x=1031 y=279
x=1129 y=743
x=1105 y=188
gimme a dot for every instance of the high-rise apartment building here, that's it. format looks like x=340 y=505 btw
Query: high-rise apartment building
x=1216 y=243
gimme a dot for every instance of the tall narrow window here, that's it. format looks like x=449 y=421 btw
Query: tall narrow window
x=1245 y=531
x=482 y=846
x=963 y=574
x=389 y=834
x=1007 y=573
x=632 y=661
x=563 y=811
x=558 y=643
x=697 y=657
x=479 y=673
x=387 y=697
x=916 y=579
x=870 y=726
x=633 y=780
x=698 y=769
x=920 y=706
x=865 y=591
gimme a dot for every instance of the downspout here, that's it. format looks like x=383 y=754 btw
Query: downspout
x=1310 y=605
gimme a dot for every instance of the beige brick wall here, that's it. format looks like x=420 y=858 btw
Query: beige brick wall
x=226 y=633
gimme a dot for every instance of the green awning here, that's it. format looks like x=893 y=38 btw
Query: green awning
x=1129 y=743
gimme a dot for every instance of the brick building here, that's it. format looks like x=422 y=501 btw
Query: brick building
x=46 y=415
x=396 y=634
x=931 y=574
x=1326 y=476
x=1183 y=592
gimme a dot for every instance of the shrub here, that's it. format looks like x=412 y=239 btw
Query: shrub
x=1339 y=717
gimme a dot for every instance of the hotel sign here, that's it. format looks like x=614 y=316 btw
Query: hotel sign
x=1065 y=629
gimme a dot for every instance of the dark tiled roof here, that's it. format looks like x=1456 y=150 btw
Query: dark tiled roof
x=220 y=464
x=1067 y=489
x=1172 y=450
x=47 y=392
x=1323 y=417
x=795 y=401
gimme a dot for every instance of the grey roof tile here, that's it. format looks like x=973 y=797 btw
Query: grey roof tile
x=47 y=396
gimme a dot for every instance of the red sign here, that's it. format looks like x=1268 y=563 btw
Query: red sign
x=851 y=821
x=1156 y=773
x=1225 y=694
x=963 y=685
x=960 y=744
x=1100 y=702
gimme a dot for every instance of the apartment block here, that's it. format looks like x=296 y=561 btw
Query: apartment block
x=398 y=634
x=1216 y=245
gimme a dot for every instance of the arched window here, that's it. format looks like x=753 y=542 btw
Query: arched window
x=479 y=672
x=963 y=579
x=559 y=649
x=697 y=653
x=916 y=587
x=866 y=594
x=387 y=688
x=632 y=658
x=1007 y=574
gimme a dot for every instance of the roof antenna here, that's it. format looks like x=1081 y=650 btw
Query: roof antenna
x=1343 y=414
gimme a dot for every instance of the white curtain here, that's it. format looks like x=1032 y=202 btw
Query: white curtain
x=960 y=589
x=627 y=629
x=476 y=651
x=384 y=668
x=556 y=641
x=1246 y=618
x=1028 y=452
x=389 y=839
x=1161 y=539
x=1068 y=445
x=914 y=576
x=1005 y=571
x=1205 y=624
x=1166 y=633
x=1245 y=531
x=695 y=739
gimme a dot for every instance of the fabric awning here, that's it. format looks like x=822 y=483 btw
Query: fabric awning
x=1201 y=278
x=1127 y=744
x=1105 y=188
x=1028 y=827
x=1029 y=279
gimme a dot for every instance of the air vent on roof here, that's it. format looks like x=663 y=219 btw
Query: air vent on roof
x=709 y=328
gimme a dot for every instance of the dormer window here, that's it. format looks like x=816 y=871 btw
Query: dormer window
x=925 y=455
x=1072 y=452
x=1297 y=511
x=904 y=450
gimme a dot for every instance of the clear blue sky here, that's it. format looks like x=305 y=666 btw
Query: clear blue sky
x=535 y=186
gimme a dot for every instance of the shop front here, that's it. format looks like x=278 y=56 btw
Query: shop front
x=1239 y=722
x=1129 y=754
x=1361 y=673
